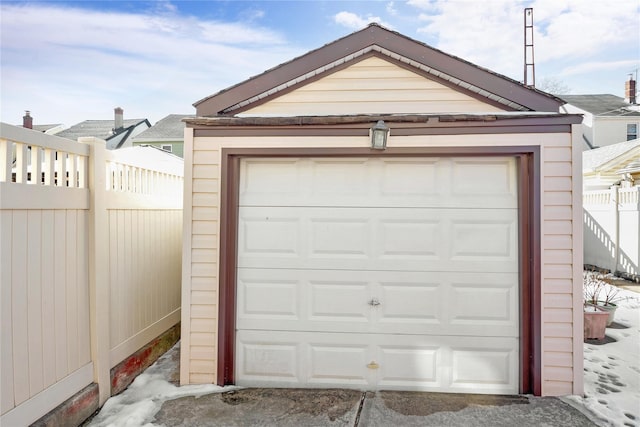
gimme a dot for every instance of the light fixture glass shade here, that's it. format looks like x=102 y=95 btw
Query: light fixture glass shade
x=379 y=134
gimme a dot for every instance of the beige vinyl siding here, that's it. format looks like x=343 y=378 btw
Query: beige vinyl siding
x=558 y=268
x=202 y=274
x=560 y=319
x=371 y=86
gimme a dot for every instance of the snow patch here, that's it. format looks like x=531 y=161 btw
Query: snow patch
x=138 y=404
x=612 y=370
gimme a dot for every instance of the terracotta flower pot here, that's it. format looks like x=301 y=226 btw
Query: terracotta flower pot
x=595 y=322
x=609 y=308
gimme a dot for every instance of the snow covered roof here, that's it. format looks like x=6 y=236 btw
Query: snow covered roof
x=599 y=157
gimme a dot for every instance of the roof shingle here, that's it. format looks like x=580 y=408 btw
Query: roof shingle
x=102 y=129
x=168 y=128
x=601 y=104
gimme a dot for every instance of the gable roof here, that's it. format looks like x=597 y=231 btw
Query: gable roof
x=595 y=159
x=376 y=40
x=601 y=104
x=169 y=128
x=102 y=129
x=44 y=128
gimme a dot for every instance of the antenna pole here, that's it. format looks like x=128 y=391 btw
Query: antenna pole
x=529 y=65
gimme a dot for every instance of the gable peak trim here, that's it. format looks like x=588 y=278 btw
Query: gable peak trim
x=381 y=51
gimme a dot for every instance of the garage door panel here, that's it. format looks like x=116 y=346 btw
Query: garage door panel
x=485 y=304
x=409 y=238
x=275 y=236
x=411 y=365
x=275 y=361
x=458 y=303
x=479 y=238
x=487 y=177
x=407 y=180
x=382 y=182
x=345 y=238
x=334 y=180
x=378 y=239
x=491 y=367
x=410 y=303
x=268 y=299
x=338 y=301
x=262 y=180
x=337 y=363
x=377 y=361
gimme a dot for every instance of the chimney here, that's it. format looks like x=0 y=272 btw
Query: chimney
x=27 y=120
x=630 y=90
x=119 y=118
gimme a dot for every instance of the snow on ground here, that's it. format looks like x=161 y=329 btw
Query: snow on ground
x=138 y=404
x=611 y=381
x=612 y=370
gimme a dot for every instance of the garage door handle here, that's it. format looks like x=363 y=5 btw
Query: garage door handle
x=374 y=302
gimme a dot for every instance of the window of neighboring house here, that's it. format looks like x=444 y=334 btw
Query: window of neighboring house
x=167 y=148
x=632 y=131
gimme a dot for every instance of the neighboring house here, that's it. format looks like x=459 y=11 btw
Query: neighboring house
x=118 y=133
x=168 y=134
x=51 y=129
x=610 y=165
x=378 y=214
x=608 y=119
x=611 y=179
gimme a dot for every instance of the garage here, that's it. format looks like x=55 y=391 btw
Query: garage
x=444 y=256
x=378 y=273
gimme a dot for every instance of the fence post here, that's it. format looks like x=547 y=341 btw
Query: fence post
x=615 y=211
x=98 y=267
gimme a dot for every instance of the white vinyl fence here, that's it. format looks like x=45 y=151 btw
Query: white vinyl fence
x=612 y=229
x=90 y=250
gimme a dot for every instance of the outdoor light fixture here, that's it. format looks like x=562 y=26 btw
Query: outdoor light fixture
x=379 y=134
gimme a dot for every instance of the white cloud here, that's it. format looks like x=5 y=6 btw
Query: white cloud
x=481 y=32
x=165 y=6
x=589 y=67
x=391 y=9
x=69 y=64
x=356 y=22
x=490 y=33
x=421 y=4
x=577 y=29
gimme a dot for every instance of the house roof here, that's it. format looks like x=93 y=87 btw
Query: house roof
x=102 y=129
x=379 y=41
x=169 y=128
x=155 y=155
x=601 y=104
x=44 y=128
x=597 y=158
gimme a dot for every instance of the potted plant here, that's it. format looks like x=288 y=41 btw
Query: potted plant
x=599 y=292
x=595 y=322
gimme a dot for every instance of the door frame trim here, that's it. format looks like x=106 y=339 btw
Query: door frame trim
x=529 y=204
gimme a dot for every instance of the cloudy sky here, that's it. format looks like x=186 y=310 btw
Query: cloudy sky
x=69 y=61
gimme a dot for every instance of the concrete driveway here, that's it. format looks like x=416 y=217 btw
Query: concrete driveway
x=334 y=407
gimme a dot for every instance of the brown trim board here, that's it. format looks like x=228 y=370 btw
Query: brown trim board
x=528 y=160
x=395 y=42
x=347 y=64
x=401 y=125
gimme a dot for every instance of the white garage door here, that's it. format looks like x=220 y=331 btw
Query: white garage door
x=378 y=273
